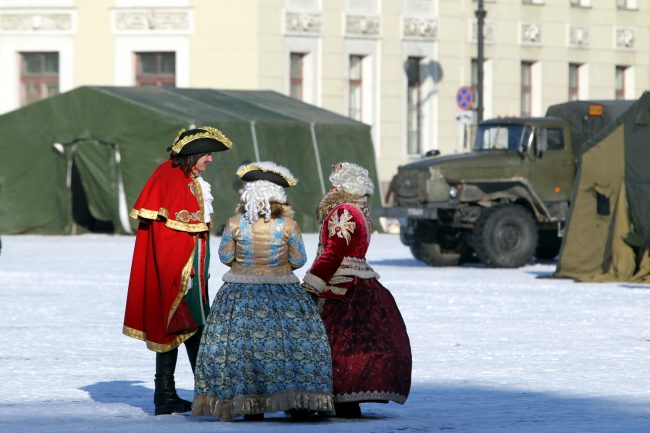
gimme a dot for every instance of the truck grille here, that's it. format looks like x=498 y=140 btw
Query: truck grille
x=409 y=185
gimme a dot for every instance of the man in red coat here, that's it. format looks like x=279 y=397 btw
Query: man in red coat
x=168 y=300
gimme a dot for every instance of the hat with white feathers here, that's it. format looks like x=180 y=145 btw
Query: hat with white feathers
x=265 y=183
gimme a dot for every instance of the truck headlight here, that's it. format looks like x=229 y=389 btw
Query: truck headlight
x=453 y=193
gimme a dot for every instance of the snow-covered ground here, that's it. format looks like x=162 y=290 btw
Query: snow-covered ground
x=494 y=350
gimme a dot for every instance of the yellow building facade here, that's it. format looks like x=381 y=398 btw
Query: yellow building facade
x=396 y=65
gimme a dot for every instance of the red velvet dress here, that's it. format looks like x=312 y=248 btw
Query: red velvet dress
x=167 y=297
x=371 y=352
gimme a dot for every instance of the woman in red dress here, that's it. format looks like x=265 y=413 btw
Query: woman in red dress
x=371 y=352
x=168 y=300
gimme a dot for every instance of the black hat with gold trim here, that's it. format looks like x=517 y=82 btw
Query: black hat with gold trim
x=267 y=170
x=205 y=139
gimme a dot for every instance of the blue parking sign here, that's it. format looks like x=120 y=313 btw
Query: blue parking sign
x=465 y=98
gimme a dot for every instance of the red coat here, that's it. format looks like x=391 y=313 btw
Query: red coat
x=344 y=241
x=170 y=210
x=371 y=351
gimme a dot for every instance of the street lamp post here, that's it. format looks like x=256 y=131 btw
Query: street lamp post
x=480 y=16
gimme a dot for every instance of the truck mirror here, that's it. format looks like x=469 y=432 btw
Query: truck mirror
x=542 y=142
x=526 y=142
x=521 y=151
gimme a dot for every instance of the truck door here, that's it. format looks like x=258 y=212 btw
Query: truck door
x=552 y=168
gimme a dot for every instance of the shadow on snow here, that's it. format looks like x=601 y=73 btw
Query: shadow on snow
x=459 y=408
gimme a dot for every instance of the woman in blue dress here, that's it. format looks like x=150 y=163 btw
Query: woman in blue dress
x=264 y=347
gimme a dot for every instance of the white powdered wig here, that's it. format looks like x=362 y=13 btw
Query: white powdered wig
x=257 y=198
x=351 y=178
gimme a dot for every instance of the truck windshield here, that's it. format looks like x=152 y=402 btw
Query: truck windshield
x=505 y=137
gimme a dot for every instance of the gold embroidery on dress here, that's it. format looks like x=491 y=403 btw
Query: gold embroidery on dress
x=336 y=290
x=342 y=226
x=340 y=279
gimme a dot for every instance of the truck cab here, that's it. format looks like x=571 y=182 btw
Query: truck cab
x=506 y=200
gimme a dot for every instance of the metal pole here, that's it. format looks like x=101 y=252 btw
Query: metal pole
x=480 y=16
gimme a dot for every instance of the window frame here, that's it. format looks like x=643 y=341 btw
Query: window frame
x=414 y=87
x=574 y=90
x=297 y=80
x=159 y=78
x=627 y=5
x=43 y=80
x=619 y=77
x=526 y=89
x=355 y=83
x=580 y=3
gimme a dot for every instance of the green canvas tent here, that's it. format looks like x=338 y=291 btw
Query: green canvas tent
x=77 y=161
x=608 y=229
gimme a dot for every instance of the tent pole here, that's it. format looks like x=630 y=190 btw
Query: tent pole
x=317 y=153
x=255 y=147
x=121 y=194
x=68 y=181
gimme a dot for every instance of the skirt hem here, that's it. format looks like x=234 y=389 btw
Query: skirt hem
x=226 y=410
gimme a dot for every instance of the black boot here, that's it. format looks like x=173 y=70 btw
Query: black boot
x=192 y=348
x=301 y=414
x=165 y=398
x=348 y=410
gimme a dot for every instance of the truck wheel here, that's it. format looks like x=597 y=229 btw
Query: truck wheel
x=432 y=254
x=548 y=245
x=505 y=236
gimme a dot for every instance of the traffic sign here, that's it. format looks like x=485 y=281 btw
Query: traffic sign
x=464 y=98
x=465 y=118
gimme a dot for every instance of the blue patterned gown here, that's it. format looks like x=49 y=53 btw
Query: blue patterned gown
x=264 y=346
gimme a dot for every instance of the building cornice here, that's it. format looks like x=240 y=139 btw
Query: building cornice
x=420 y=28
x=578 y=36
x=38 y=21
x=303 y=23
x=151 y=21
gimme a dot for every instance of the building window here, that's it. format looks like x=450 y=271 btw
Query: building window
x=526 y=88
x=155 y=69
x=414 y=106
x=39 y=76
x=619 y=82
x=533 y=2
x=574 y=81
x=581 y=3
x=297 y=75
x=355 y=84
x=626 y=4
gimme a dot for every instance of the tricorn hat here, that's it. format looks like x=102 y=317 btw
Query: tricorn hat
x=200 y=140
x=267 y=170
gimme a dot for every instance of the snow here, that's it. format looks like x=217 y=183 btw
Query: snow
x=494 y=350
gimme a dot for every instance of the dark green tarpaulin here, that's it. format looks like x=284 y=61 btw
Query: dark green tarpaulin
x=77 y=161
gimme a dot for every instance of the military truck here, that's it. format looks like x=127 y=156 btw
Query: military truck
x=505 y=201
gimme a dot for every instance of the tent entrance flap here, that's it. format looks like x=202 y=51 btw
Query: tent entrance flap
x=95 y=185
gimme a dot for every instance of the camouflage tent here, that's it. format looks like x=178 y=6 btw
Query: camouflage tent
x=77 y=161
x=608 y=229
